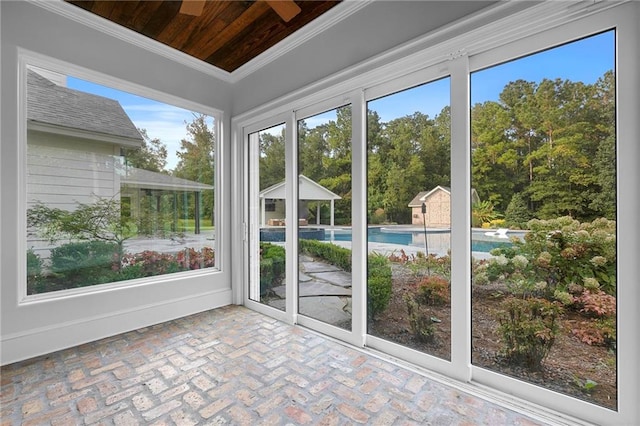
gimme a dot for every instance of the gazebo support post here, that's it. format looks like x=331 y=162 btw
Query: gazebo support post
x=197 y=213
x=318 y=214
x=332 y=212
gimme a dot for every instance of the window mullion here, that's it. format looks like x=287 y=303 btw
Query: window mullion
x=460 y=220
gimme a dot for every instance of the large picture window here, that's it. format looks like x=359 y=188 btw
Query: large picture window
x=118 y=186
x=543 y=135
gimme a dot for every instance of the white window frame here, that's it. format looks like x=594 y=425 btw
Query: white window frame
x=544 y=26
x=28 y=58
x=451 y=70
x=354 y=336
x=627 y=296
x=251 y=229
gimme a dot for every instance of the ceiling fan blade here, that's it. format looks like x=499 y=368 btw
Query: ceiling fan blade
x=287 y=9
x=192 y=7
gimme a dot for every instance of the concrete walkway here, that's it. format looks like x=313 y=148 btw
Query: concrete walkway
x=324 y=292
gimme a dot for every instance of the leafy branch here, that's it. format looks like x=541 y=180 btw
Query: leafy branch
x=96 y=221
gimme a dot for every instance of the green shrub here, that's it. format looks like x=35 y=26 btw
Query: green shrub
x=333 y=254
x=379 y=285
x=378 y=217
x=79 y=264
x=420 y=323
x=528 y=328
x=272 y=266
x=434 y=290
x=35 y=280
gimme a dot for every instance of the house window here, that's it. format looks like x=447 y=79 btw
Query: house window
x=270 y=205
x=119 y=187
x=543 y=137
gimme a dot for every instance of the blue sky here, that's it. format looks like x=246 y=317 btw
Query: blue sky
x=585 y=60
x=163 y=121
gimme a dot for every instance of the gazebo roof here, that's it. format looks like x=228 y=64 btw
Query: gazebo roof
x=307 y=188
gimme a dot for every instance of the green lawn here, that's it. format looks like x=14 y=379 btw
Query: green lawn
x=189 y=225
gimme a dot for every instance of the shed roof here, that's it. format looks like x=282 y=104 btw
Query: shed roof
x=56 y=105
x=145 y=179
x=423 y=195
x=307 y=188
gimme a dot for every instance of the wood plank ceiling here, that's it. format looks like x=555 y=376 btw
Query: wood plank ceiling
x=226 y=34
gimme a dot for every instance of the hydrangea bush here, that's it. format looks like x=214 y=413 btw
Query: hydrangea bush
x=557 y=258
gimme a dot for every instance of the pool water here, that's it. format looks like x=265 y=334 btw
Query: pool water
x=375 y=235
x=404 y=237
x=410 y=238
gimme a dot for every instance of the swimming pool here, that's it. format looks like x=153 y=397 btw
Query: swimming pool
x=438 y=240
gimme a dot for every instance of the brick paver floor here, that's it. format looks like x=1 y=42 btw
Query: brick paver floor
x=231 y=366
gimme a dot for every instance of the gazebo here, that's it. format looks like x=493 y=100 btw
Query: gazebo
x=137 y=183
x=308 y=190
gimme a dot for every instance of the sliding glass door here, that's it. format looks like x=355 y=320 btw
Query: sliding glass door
x=267 y=217
x=409 y=218
x=465 y=218
x=324 y=217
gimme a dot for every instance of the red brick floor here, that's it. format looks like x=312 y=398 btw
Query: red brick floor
x=230 y=366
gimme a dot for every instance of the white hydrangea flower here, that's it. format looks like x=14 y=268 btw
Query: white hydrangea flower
x=598 y=261
x=519 y=261
x=591 y=283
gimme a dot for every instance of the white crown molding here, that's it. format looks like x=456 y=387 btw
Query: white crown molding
x=105 y=26
x=324 y=22
x=333 y=16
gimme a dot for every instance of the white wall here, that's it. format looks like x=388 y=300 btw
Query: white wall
x=33 y=327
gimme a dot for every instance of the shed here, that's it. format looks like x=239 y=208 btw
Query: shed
x=438 y=203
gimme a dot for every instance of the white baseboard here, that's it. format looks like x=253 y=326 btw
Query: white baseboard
x=24 y=345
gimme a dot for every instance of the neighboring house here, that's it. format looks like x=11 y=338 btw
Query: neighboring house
x=272 y=211
x=74 y=151
x=438 y=207
x=74 y=143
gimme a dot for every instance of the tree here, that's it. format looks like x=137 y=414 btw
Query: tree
x=196 y=161
x=517 y=213
x=152 y=154
x=272 y=159
x=553 y=142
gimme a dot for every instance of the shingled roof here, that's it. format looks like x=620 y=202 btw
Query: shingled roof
x=56 y=105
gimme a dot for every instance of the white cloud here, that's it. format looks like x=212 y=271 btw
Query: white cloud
x=164 y=122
